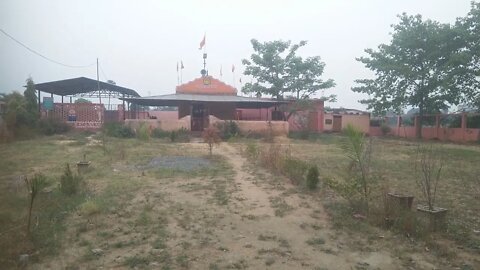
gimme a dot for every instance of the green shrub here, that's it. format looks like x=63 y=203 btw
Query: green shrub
x=385 y=129
x=228 y=129
x=69 y=182
x=158 y=133
x=52 y=126
x=294 y=169
x=118 y=130
x=143 y=132
x=252 y=151
x=357 y=185
x=312 y=178
x=181 y=135
x=89 y=208
x=173 y=136
x=34 y=185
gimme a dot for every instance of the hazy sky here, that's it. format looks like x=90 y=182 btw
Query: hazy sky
x=140 y=42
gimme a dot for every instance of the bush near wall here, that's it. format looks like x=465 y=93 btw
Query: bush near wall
x=52 y=126
x=228 y=129
x=143 y=132
x=118 y=130
x=295 y=170
x=159 y=133
x=180 y=135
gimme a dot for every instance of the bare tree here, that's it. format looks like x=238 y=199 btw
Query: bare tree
x=428 y=167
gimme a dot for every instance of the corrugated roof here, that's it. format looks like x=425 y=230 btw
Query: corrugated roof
x=81 y=85
x=176 y=99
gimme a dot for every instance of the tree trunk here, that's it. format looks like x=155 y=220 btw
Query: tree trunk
x=30 y=214
x=419 y=123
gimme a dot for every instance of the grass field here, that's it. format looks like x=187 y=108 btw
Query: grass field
x=458 y=189
x=232 y=214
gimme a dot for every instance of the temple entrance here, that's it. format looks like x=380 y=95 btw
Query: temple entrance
x=198 y=117
x=337 y=123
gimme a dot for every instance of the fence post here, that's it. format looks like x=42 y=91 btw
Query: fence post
x=464 y=125
x=399 y=124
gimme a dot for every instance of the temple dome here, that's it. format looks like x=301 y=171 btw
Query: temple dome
x=206 y=85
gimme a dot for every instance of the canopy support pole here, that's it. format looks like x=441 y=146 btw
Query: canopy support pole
x=39 y=105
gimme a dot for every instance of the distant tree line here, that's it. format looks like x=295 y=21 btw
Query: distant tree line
x=22 y=117
x=427 y=65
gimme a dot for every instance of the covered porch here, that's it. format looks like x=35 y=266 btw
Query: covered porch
x=195 y=112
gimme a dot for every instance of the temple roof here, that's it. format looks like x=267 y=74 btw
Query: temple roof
x=206 y=85
x=177 y=99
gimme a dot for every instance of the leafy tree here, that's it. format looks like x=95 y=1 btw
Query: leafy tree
x=31 y=105
x=82 y=100
x=16 y=114
x=423 y=66
x=278 y=71
x=470 y=29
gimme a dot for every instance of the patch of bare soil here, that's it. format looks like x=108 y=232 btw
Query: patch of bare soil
x=234 y=219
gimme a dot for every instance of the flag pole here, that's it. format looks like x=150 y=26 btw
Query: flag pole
x=234 y=84
x=178 y=77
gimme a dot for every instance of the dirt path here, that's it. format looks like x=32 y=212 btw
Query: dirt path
x=233 y=217
x=303 y=234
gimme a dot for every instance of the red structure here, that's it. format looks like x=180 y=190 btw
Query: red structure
x=83 y=115
x=435 y=130
x=314 y=116
x=79 y=115
x=204 y=101
x=206 y=85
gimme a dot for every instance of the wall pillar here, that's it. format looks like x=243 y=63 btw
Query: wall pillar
x=399 y=124
x=320 y=116
x=464 y=125
x=123 y=108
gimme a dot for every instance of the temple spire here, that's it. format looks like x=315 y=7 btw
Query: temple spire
x=204 y=71
x=203 y=44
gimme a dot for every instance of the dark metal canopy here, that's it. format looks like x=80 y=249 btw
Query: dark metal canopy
x=85 y=87
x=177 y=99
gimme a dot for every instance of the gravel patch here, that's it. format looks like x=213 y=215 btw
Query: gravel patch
x=180 y=163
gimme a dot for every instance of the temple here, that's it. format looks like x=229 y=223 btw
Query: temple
x=207 y=100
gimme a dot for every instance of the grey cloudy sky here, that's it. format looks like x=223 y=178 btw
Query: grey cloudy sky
x=140 y=42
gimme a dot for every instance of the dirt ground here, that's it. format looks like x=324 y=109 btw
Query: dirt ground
x=236 y=217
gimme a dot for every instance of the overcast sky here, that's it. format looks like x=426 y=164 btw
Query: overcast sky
x=140 y=42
